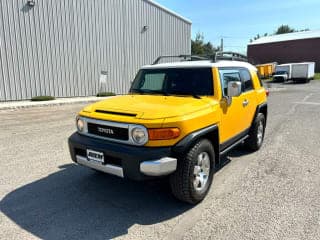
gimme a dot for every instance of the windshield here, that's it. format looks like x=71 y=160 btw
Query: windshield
x=174 y=81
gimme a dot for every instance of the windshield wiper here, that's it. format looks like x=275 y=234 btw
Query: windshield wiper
x=146 y=91
x=187 y=94
x=149 y=91
x=136 y=90
x=196 y=96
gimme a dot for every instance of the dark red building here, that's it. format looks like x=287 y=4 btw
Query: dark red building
x=286 y=48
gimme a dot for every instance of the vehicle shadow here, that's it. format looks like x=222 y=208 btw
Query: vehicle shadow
x=238 y=151
x=78 y=203
x=301 y=81
x=281 y=83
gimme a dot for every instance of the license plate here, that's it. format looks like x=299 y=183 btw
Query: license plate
x=95 y=156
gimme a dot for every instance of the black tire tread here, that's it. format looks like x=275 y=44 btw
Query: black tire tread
x=251 y=141
x=179 y=181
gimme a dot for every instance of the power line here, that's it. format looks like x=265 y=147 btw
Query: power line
x=232 y=37
x=233 y=46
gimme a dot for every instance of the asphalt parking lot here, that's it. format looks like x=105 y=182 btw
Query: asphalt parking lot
x=271 y=194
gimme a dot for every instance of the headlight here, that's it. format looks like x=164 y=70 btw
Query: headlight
x=80 y=124
x=139 y=135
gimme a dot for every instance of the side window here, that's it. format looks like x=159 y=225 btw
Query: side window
x=228 y=75
x=246 y=79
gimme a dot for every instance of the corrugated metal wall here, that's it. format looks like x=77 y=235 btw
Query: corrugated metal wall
x=60 y=47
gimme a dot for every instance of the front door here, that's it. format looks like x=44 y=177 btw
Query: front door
x=236 y=117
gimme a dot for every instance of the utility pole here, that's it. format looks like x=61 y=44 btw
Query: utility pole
x=221 y=45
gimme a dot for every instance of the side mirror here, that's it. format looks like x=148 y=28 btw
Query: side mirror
x=234 y=89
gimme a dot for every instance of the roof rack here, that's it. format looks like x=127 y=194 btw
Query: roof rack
x=230 y=56
x=187 y=58
x=213 y=58
x=170 y=56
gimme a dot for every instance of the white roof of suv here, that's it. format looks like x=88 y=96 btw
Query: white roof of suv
x=198 y=64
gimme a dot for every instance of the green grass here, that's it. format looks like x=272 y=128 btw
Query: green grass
x=317 y=76
x=105 y=94
x=42 y=98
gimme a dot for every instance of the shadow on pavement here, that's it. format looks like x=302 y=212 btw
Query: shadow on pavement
x=77 y=203
x=238 y=151
x=290 y=82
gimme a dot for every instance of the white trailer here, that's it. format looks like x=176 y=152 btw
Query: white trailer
x=303 y=71
x=282 y=72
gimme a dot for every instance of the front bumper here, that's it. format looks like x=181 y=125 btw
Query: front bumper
x=122 y=160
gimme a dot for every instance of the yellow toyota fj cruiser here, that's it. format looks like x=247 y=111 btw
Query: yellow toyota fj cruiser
x=176 y=121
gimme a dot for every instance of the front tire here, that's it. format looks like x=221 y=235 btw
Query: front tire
x=256 y=134
x=193 y=177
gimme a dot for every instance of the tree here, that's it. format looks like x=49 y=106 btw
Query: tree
x=200 y=47
x=258 y=36
x=284 y=29
x=197 y=45
x=209 y=49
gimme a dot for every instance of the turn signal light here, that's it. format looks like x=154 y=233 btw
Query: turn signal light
x=163 y=133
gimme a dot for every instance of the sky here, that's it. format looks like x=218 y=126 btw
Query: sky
x=239 y=21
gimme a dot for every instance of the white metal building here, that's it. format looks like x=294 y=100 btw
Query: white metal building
x=60 y=47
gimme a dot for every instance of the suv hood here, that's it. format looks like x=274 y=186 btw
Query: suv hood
x=149 y=106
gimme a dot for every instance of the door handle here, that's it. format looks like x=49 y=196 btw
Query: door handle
x=245 y=103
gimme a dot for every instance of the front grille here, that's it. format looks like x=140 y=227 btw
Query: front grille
x=108 y=131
